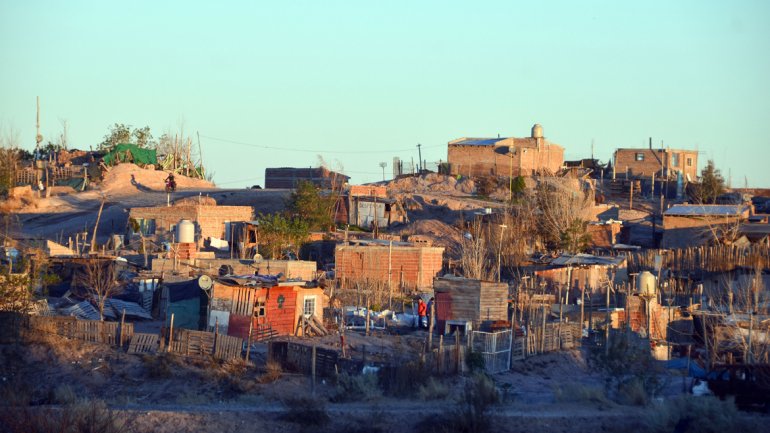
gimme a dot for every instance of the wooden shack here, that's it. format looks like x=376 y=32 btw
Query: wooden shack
x=271 y=311
x=463 y=300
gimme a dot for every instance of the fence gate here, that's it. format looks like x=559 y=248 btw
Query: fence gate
x=495 y=348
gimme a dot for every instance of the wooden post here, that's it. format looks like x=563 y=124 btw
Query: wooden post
x=432 y=313
x=312 y=369
x=248 y=342
x=457 y=353
x=582 y=310
x=631 y=196
x=171 y=332
x=440 y=357
x=609 y=322
x=122 y=327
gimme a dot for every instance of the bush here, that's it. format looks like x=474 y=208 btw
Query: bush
x=475 y=361
x=433 y=389
x=690 y=414
x=403 y=380
x=83 y=417
x=273 y=372
x=356 y=388
x=633 y=377
x=158 y=366
x=472 y=414
x=574 y=392
x=307 y=412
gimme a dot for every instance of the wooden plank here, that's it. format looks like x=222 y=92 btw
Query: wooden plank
x=144 y=343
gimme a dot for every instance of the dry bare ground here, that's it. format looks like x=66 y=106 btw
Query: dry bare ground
x=47 y=376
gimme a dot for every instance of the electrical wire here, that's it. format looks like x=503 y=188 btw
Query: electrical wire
x=260 y=146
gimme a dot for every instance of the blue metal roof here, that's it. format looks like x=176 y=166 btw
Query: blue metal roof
x=480 y=141
x=705 y=210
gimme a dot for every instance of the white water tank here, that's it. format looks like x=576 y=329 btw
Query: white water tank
x=185 y=232
x=646 y=284
x=537 y=131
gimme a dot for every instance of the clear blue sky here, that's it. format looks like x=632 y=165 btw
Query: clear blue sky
x=335 y=78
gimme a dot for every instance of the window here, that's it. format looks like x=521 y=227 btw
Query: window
x=675 y=160
x=309 y=308
x=259 y=307
x=689 y=162
x=640 y=157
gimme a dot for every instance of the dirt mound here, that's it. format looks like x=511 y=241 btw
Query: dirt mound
x=433 y=182
x=442 y=235
x=129 y=177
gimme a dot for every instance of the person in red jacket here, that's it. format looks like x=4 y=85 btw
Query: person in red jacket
x=422 y=312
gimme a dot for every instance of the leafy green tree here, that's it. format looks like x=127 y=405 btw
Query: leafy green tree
x=278 y=234
x=575 y=238
x=309 y=204
x=122 y=133
x=712 y=184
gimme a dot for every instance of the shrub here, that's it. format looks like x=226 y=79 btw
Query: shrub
x=158 y=366
x=356 y=388
x=475 y=361
x=403 y=380
x=433 y=389
x=690 y=414
x=83 y=417
x=273 y=372
x=472 y=414
x=305 y=411
x=630 y=369
x=574 y=392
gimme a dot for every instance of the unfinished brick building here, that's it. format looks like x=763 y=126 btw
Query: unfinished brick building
x=210 y=219
x=504 y=156
x=662 y=162
x=411 y=266
x=690 y=225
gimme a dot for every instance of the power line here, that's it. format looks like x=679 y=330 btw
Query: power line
x=260 y=146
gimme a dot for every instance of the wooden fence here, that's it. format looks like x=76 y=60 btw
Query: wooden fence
x=717 y=258
x=184 y=342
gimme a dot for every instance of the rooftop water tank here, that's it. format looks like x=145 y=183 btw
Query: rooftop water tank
x=646 y=284
x=537 y=131
x=185 y=232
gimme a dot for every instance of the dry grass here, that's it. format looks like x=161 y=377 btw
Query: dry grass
x=273 y=372
x=575 y=392
x=434 y=389
x=82 y=417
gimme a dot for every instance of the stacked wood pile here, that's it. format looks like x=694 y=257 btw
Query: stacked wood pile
x=480 y=302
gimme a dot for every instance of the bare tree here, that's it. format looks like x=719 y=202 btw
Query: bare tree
x=562 y=210
x=99 y=280
x=476 y=258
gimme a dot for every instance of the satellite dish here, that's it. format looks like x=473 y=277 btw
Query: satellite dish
x=205 y=282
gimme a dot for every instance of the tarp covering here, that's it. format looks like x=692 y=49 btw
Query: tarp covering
x=127 y=152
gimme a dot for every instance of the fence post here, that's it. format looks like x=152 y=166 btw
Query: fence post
x=171 y=333
x=122 y=327
x=312 y=369
x=248 y=342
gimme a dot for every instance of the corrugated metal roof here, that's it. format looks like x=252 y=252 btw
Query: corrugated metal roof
x=480 y=141
x=586 y=259
x=132 y=309
x=705 y=210
x=83 y=310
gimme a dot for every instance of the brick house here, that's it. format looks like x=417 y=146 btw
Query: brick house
x=210 y=219
x=504 y=156
x=411 y=266
x=643 y=162
x=687 y=225
x=368 y=206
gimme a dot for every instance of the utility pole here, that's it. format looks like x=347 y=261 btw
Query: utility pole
x=499 y=252
x=38 y=135
x=382 y=166
x=200 y=155
x=419 y=161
